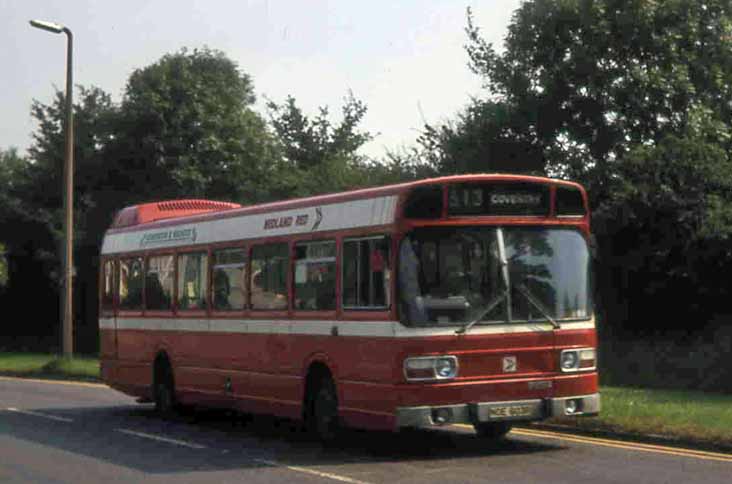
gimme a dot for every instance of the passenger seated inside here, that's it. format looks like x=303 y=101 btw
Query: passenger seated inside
x=155 y=297
x=221 y=290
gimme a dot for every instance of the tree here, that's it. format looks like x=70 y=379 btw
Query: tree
x=31 y=215
x=11 y=165
x=187 y=128
x=593 y=79
x=25 y=246
x=319 y=155
x=95 y=118
x=631 y=98
x=487 y=136
x=401 y=165
x=3 y=267
x=308 y=142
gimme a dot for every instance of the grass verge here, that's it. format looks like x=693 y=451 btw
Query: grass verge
x=685 y=416
x=39 y=365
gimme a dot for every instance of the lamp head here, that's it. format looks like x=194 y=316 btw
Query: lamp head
x=48 y=26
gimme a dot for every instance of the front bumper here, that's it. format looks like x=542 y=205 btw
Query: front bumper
x=518 y=410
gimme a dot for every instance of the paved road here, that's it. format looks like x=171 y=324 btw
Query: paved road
x=63 y=433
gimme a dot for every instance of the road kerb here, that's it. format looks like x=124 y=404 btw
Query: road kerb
x=54 y=382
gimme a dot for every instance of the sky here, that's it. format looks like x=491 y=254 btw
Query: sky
x=404 y=59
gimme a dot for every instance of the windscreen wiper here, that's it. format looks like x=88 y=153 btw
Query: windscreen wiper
x=537 y=304
x=491 y=305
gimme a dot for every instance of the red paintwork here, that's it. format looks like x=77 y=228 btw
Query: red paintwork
x=268 y=368
x=268 y=371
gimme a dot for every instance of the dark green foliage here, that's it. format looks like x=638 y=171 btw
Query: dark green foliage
x=319 y=156
x=632 y=99
x=308 y=142
x=3 y=267
x=185 y=128
x=487 y=136
x=588 y=81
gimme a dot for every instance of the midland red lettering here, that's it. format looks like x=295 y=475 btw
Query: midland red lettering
x=277 y=223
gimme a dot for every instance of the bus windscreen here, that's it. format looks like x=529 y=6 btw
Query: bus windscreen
x=451 y=275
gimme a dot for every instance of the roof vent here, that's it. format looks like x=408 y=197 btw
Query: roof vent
x=152 y=212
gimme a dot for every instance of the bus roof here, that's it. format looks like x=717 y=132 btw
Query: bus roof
x=171 y=212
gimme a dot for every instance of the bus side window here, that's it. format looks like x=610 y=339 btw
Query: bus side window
x=131 y=277
x=159 y=282
x=192 y=280
x=229 y=279
x=108 y=278
x=315 y=276
x=366 y=273
x=269 y=276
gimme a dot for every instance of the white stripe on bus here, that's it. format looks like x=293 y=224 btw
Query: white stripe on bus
x=392 y=329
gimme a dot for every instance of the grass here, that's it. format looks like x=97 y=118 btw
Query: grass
x=676 y=414
x=40 y=365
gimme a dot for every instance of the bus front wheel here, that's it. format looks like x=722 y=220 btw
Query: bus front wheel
x=492 y=430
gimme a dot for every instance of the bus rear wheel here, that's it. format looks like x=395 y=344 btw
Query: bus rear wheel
x=323 y=414
x=492 y=430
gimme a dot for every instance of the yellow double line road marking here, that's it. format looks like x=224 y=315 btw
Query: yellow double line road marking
x=619 y=444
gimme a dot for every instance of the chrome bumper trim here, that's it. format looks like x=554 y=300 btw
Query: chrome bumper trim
x=468 y=413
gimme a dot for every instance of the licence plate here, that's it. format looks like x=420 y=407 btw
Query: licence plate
x=510 y=411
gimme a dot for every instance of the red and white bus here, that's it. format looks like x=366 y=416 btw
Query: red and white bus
x=464 y=299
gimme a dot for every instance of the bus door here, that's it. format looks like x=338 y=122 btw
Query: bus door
x=107 y=311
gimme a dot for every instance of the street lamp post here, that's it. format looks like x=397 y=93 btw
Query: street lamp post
x=67 y=331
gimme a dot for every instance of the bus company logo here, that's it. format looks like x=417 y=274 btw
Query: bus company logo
x=504 y=199
x=168 y=236
x=278 y=222
x=284 y=222
x=318 y=218
x=509 y=364
x=296 y=220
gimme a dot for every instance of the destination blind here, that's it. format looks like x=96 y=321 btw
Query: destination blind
x=499 y=199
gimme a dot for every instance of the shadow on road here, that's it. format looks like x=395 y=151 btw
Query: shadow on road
x=236 y=441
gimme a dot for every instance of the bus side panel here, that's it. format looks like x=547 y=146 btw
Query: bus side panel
x=245 y=370
x=107 y=342
x=235 y=369
x=136 y=350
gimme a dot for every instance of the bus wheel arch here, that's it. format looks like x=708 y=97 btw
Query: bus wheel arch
x=163 y=385
x=320 y=402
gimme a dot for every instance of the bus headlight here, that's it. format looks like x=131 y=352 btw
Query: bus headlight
x=446 y=367
x=430 y=368
x=578 y=360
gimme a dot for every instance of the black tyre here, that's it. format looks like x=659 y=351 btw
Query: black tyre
x=323 y=415
x=492 y=430
x=164 y=390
